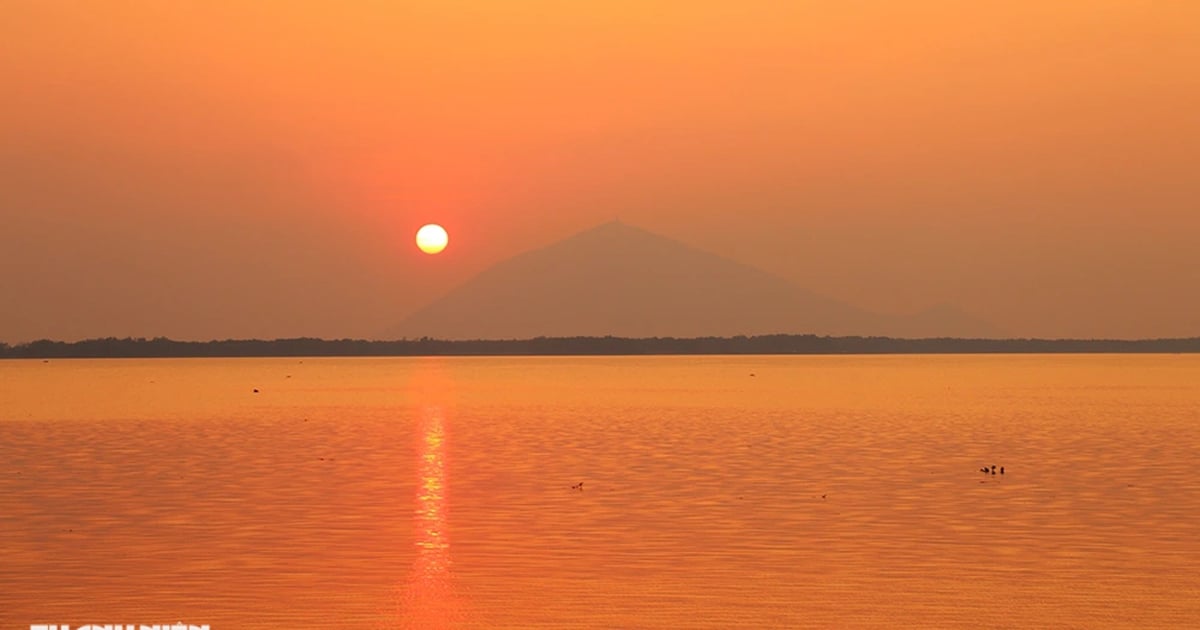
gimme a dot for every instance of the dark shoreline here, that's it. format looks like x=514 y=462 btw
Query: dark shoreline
x=581 y=346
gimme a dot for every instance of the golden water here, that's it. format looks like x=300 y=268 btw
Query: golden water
x=717 y=492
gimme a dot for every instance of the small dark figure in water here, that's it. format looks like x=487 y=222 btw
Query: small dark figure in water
x=1001 y=470
x=984 y=470
x=578 y=486
x=993 y=469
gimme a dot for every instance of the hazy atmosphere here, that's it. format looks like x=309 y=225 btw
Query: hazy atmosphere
x=211 y=170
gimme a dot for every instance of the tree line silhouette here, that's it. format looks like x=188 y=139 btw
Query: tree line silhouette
x=162 y=347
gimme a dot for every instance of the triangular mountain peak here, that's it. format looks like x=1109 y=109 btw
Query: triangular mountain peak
x=619 y=279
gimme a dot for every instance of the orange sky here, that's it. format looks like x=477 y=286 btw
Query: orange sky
x=205 y=169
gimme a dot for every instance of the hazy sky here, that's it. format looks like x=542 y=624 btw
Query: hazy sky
x=212 y=169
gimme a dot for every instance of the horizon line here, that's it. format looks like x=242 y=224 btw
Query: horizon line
x=768 y=344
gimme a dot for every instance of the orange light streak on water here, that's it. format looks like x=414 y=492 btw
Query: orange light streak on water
x=429 y=600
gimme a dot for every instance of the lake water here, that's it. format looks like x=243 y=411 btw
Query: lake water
x=718 y=492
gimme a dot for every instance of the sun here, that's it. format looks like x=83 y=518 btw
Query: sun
x=432 y=238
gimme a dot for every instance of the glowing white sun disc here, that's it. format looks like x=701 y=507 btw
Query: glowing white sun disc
x=432 y=238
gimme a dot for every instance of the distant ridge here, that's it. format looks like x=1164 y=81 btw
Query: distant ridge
x=616 y=279
x=567 y=346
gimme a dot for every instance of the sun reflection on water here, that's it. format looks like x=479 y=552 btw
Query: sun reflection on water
x=431 y=498
x=430 y=600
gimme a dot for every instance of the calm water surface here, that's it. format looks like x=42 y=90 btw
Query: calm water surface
x=717 y=492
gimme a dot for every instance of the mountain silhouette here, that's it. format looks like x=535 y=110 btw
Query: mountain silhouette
x=616 y=279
